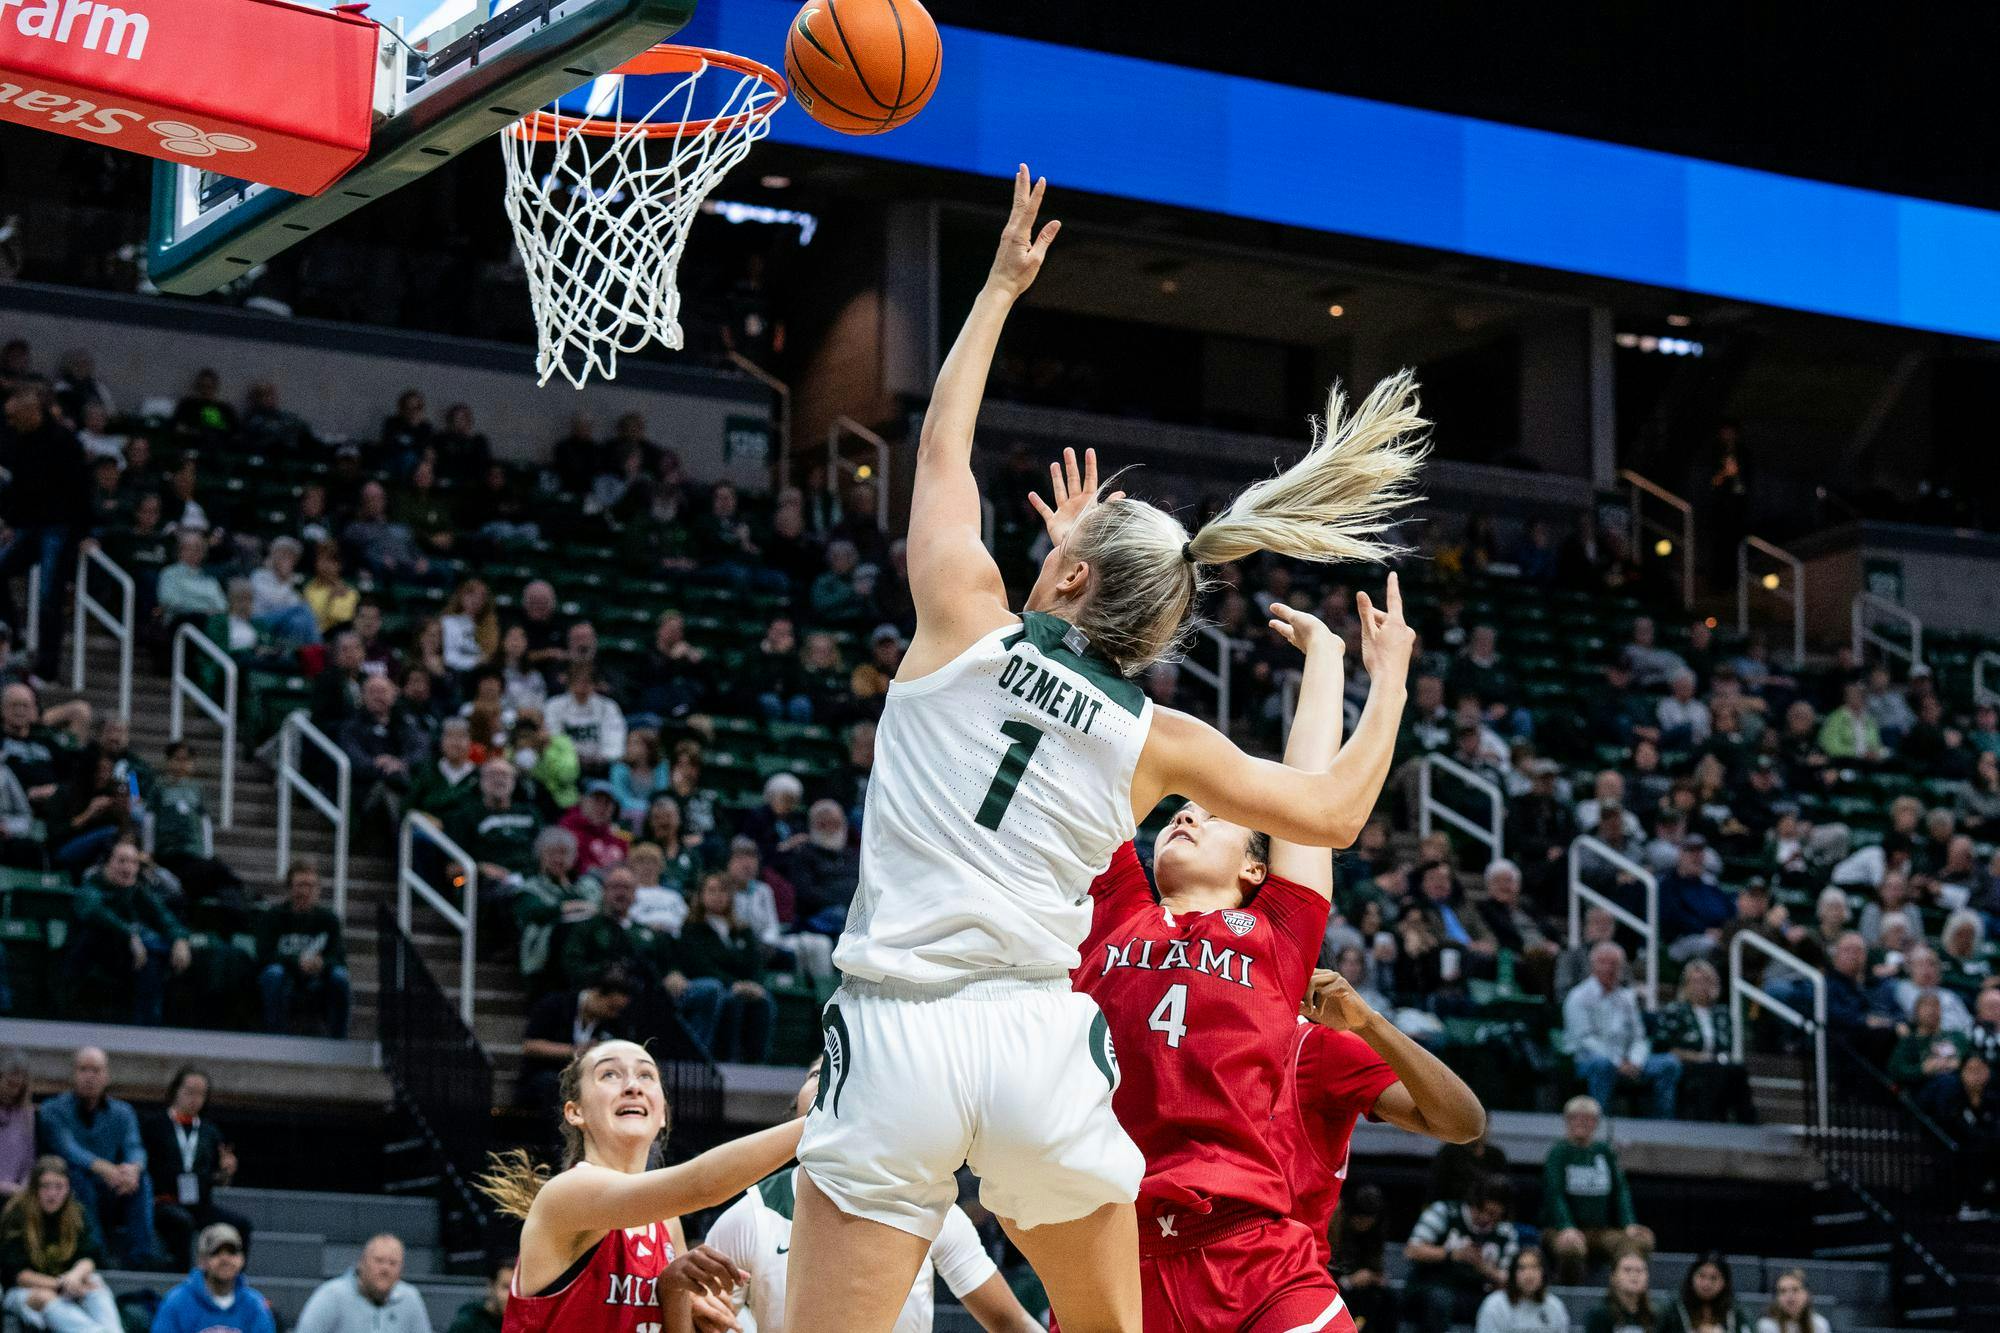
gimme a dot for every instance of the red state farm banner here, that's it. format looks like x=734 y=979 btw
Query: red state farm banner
x=259 y=89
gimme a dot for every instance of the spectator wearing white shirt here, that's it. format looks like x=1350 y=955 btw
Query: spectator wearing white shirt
x=594 y=722
x=369 y=1298
x=757 y=908
x=1927 y=978
x=1607 y=1036
x=1684 y=720
x=98 y=441
x=1892 y=898
x=275 y=603
x=1651 y=665
x=1869 y=864
x=1609 y=789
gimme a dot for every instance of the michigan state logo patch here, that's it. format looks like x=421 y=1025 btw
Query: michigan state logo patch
x=1102 y=1053
x=839 y=1054
x=1239 y=923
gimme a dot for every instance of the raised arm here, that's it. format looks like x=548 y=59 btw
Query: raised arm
x=592 y=1198
x=1315 y=736
x=1427 y=1098
x=953 y=580
x=1322 y=808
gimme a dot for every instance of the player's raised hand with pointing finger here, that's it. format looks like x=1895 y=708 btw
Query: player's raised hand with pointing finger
x=1386 y=638
x=1022 y=248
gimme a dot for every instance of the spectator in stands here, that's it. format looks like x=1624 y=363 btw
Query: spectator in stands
x=1360 y=1261
x=1524 y=1304
x=1985 y=1032
x=49 y=1252
x=1607 y=797
x=267 y=426
x=1696 y=1030
x=1892 y=898
x=189 y=1157
x=1627 y=1304
x=663 y=826
x=1889 y=707
x=1926 y=978
x=1707 y=1300
x=724 y=544
x=1608 y=1037
x=381 y=545
x=77 y=385
x=1791 y=1309
x=471 y=627
x=1856 y=1009
x=1961 y=1103
x=497 y=511
x=658 y=903
x=574 y=458
x=1963 y=941
x=302 y=954
x=203 y=416
x=521 y=682
x=1516 y=928
x=17 y=1125
x=214 y=1298
x=612 y=937
x=126 y=938
x=549 y=900
x=332 y=599
x=384 y=749
x=406 y=433
x=757 y=907
x=1694 y=908
x=92 y=812
x=97 y=1137
x=566 y=1021
x=593 y=822
x=46 y=505
x=640 y=775
x=825 y=870
x=187 y=591
x=422 y=508
x=777 y=826
x=487 y=1314
x=1927 y=1051
x=1850 y=731
x=670 y=682
x=370 y=1298
x=1685 y=722
x=1868 y=866
x=548 y=633
x=1457 y=1167
x=1651 y=665
x=451 y=779
x=498 y=831
x=717 y=944
x=336 y=692
x=1586 y=1203
x=548 y=759
x=593 y=721
x=461 y=450
x=1458 y=1252
x=835 y=601
x=276 y=605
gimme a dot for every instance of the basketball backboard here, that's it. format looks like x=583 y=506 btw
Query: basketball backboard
x=453 y=74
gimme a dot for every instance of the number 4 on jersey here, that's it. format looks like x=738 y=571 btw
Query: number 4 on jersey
x=1001 y=794
x=1170 y=1014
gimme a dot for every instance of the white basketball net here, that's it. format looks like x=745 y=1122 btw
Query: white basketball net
x=601 y=219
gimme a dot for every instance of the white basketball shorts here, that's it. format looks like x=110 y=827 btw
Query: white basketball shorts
x=1010 y=1076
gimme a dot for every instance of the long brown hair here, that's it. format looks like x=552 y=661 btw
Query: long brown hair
x=514 y=1178
x=486 y=625
x=698 y=910
x=51 y=1240
x=1778 y=1316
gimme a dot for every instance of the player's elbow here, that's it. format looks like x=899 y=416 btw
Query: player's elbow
x=1463 y=1124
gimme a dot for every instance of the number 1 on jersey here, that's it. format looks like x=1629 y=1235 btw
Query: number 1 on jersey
x=1001 y=794
x=1170 y=1014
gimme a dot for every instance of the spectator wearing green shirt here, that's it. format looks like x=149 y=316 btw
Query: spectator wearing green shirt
x=1850 y=731
x=183 y=840
x=301 y=949
x=613 y=937
x=1927 y=1052
x=496 y=830
x=451 y=779
x=549 y=901
x=486 y=1315
x=718 y=945
x=1586 y=1203
x=126 y=936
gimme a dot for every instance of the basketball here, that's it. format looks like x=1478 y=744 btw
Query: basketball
x=863 y=66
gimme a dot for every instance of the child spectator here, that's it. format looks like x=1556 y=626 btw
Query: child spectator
x=1791 y=1309
x=1627 y=1307
x=183 y=838
x=1458 y=1253
x=1525 y=1304
x=1707 y=1300
x=1586 y=1204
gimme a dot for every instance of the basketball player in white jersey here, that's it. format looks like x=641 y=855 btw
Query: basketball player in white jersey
x=1014 y=755
x=755 y=1234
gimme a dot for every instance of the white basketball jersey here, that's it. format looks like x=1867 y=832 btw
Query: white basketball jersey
x=1002 y=784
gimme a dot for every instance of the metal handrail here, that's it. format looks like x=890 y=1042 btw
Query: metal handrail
x=784 y=414
x=464 y=918
x=1982 y=693
x=1648 y=928
x=1641 y=525
x=1798 y=593
x=1217 y=679
x=337 y=810
x=122 y=627
x=1493 y=834
x=182 y=686
x=845 y=425
x=1815 y=1026
x=1863 y=633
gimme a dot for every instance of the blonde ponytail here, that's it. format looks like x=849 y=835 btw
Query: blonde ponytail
x=512 y=1181
x=1336 y=502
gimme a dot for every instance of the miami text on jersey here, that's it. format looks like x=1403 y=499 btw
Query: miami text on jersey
x=1174 y=954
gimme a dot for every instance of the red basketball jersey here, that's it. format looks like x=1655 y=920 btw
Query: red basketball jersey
x=1201 y=1009
x=614 y=1288
x=1336 y=1078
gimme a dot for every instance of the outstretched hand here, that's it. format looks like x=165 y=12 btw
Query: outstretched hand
x=1332 y=1002
x=1075 y=494
x=1022 y=249
x=1305 y=631
x=1386 y=638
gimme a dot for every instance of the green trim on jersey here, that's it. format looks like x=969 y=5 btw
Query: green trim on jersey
x=1047 y=633
x=778 y=1193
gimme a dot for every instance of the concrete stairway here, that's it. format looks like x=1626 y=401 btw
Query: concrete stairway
x=303 y=1238
x=250 y=847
